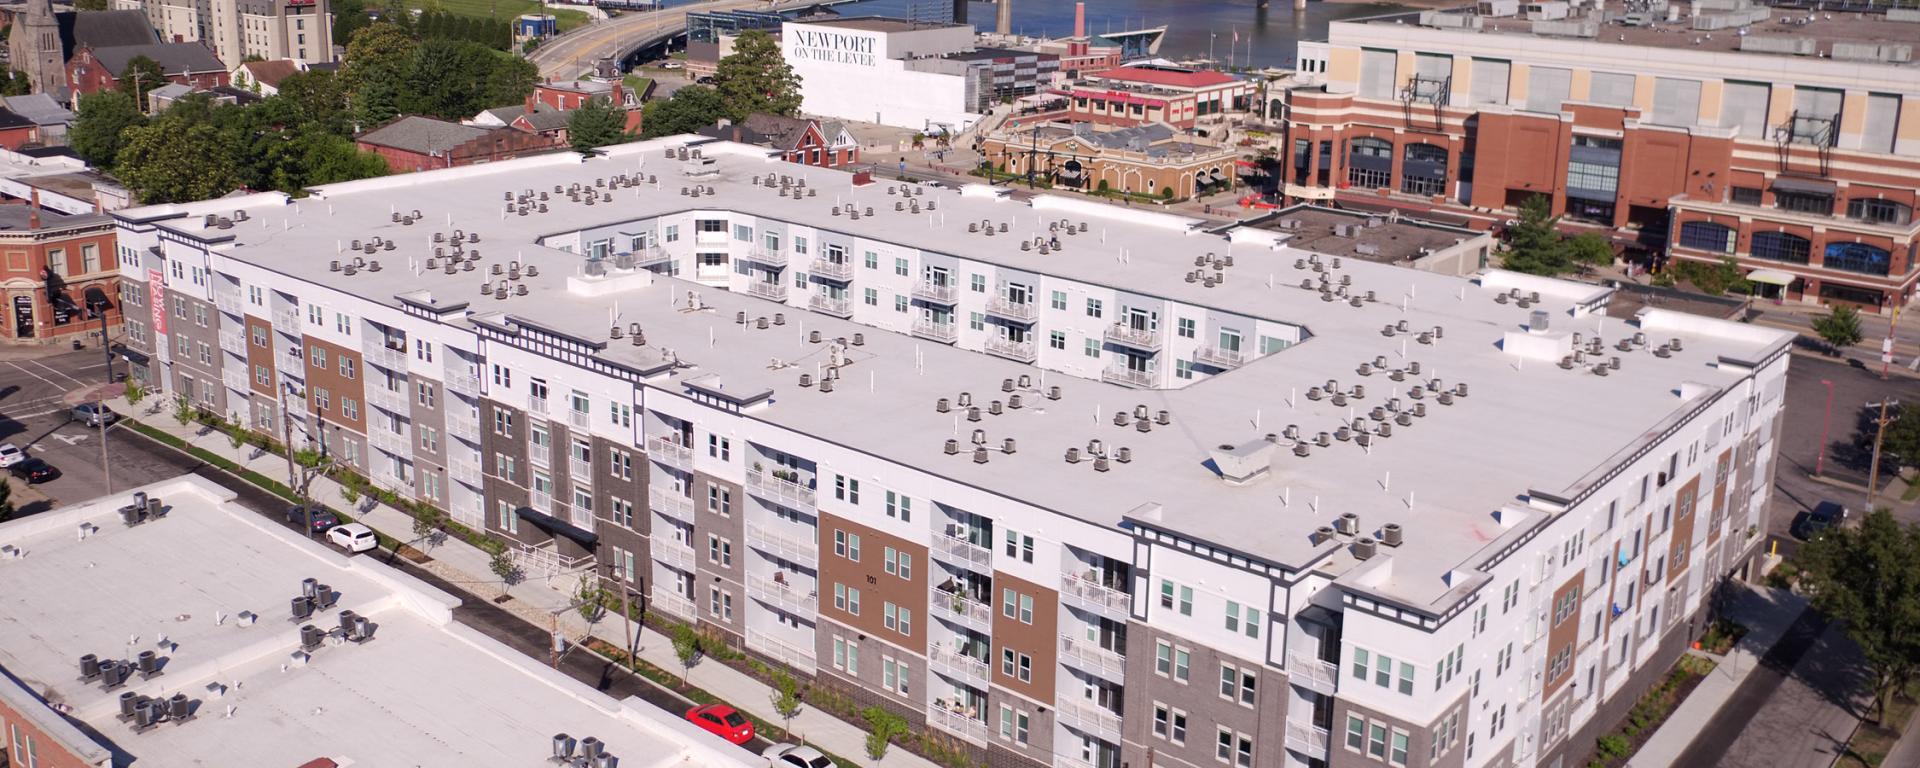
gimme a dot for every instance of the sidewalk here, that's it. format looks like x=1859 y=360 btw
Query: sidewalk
x=1766 y=613
x=539 y=601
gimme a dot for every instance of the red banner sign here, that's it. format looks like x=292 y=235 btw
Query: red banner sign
x=157 y=301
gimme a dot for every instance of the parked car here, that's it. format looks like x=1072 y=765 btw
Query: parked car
x=670 y=64
x=353 y=537
x=10 y=455
x=722 y=721
x=94 y=414
x=323 y=519
x=795 y=756
x=1823 y=516
x=33 y=470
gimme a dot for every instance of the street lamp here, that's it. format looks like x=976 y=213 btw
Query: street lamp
x=1825 y=426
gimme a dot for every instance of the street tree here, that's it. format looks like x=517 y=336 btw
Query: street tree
x=6 y=500
x=176 y=161
x=100 y=126
x=690 y=109
x=757 y=78
x=1901 y=439
x=686 y=648
x=1869 y=580
x=596 y=124
x=1533 y=245
x=1840 y=328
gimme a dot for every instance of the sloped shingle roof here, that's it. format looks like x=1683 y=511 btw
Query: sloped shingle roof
x=421 y=135
x=104 y=29
x=173 y=58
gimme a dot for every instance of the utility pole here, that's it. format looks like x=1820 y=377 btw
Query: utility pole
x=1827 y=424
x=286 y=445
x=1879 y=433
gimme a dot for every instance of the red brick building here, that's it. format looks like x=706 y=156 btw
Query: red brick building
x=58 y=275
x=99 y=69
x=414 y=143
x=1129 y=96
x=799 y=140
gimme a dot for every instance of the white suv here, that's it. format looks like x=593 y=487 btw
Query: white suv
x=10 y=455
x=353 y=537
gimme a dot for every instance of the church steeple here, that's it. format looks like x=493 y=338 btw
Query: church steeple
x=36 y=49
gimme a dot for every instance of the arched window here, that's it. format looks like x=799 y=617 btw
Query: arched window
x=1423 y=170
x=1858 y=257
x=1706 y=236
x=1781 y=246
x=1369 y=163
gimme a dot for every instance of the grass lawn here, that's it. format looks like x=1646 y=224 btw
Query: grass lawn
x=504 y=10
x=1870 y=744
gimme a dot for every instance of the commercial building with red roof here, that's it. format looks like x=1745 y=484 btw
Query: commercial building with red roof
x=1139 y=95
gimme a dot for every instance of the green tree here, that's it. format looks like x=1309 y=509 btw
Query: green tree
x=1869 y=579
x=375 y=103
x=1533 y=245
x=509 y=81
x=377 y=52
x=316 y=97
x=176 y=161
x=501 y=564
x=90 y=5
x=1840 y=328
x=596 y=124
x=785 y=697
x=141 y=75
x=100 y=126
x=1901 y=440
x=686 y=647
x=757 y=78
x=426 y=522
x=6 y=500
x=349 y=16
x=13 y=82
x=690 y=109
x=1589 y=249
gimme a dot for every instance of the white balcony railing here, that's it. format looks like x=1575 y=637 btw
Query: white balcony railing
x=291 y=363
x=670 y=602
x=463 y=427
x=787 y=597
x=1096 y=597
x=1090 y=657
x=972 y=613
x=580 y=471
x=786 y=493
x=774 y=258
x=1130 y=377
x=390 y=400
x=670 y=453
x=1137 y=338
x=782 y=651
x=651 y=256
x=825 y=304
x=537 y=406
x=540 y=454
x=671 y=504
x=1219 y=357
x=673 y=553
x=934 y=293
x=396 y=443
x=1313 y=673
x=463 y=384
x=1306 y=739
x=465 y=473
x=234 y=340
x=235 y=377
x=1089 y=718
x=775 y=291
x=230 y=302
x=1024 y=311
x=962 y=551
x=945 y=333
x=1022 y=351
x=959 y=666
x=287 y=321
x=386 y=357
x=579 y=419
x=541 y=502
x=971 y=728
x=768 y=539
x=832 y=270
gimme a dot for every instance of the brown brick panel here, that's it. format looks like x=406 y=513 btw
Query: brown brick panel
x=338 y=386
x=877 y=587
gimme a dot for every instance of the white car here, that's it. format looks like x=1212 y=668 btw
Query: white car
x=353 y=537
x=795 y=756
x=10 y=455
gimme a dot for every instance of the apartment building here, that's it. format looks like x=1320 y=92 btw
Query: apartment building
x=1703 y=131
x=1072 y=484
x=235 y=30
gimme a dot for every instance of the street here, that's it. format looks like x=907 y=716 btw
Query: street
x=36 y=398
x=566 y=56
x=1848 y=447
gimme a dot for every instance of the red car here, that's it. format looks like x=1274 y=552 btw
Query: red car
x=722 y=721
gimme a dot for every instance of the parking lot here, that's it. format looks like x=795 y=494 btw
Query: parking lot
x=36 y=398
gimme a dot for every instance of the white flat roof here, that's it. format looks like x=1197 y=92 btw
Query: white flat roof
x=424 y=691
x=1527 y=425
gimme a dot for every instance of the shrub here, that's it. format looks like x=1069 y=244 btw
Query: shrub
x=1613 y=746
x=882 y=726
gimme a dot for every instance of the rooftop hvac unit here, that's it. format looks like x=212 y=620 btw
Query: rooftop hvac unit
x=1798 y=46
x=1585 y=28
x=1893 y=53
x=1347 y=523
x=1391 y=534
x=1364 y=548
x=1498 y=8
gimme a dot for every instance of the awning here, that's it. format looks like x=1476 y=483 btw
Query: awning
x=557 y=527
x=129 y=353
x=1772 y=277
x=1805 y=185
x=95 y=297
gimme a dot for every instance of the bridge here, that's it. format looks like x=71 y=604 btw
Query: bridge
x=567 y=56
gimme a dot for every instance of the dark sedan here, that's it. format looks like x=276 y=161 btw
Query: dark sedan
x=34 y=470
x=322 y=518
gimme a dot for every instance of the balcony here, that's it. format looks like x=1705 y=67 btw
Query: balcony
x=1306 y=739
x=386 y=357
x=1312 y=673
x=287 y=321
x=771 y=291
x=465 y=473
x=1224 y=359
x=783 y=652
x=957 y=723
x=396 y=443
x=946 y=294
x=230 y=302
x=541 y=502
x=540 y=454
x=1089 y=718
x=670 y=453
x=832 y=270
x=464 y=428
x=772 y=541
x=945 y=333
x=235 y=377
x=675 y=604
x=1089 y=657
x=1018 y=311
x=1145 y=339
x=1130 y=377
x=961 y=608
x=580 y=471
x=1097 y=598
x=959 y=666
x=673 y=553
x=234 y=340
x=463 y=384
x=390 y=400
x=672 y=505
x=959 y=551
x=650 y=257
x=786 y=597
x=829 y=305
x=786 y=493
x=537 y=406
x=580 y=420
x=291 y=364
x=1022 y=351
x=766 y=257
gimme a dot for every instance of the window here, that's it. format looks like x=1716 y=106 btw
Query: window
x=894 y=674
x=1183 y=369
x=978 y=283
x=900 y=267
x=1858 y=257
x=1185 y=327
x=900 y=506
x=1356 y=733
x=1091 y=347
x=846 y=489
x=1369 y=163
x=899 y=302
x=719 y=447
x=1397 y=747
x=1059 y=300
x=1243 y=619
x=1781 y=246
x=1057 y=339
x=1376 y=740
x=1093 y=308
x=1019 y=546
x=1186 y=601
x=1016 y=606
x=1360 y=658
x=1707 y=236
x=871 y=297
x=1181 y=664
x=1818 y=203
x=976 y=321
x=1743 y=195
x=1879 y=211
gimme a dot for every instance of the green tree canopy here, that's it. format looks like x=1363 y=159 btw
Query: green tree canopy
x=1902 y=438
x=141 y=75
x=99 y=125
x=1534 y=246
x=378 y=51
x=1869 y=579
x=176 y=159
x=1840 y=328
x=596 y=124
x=690 y=109
x=90 y=5
x=349 y=16
x=14 y=82
x=756 y=78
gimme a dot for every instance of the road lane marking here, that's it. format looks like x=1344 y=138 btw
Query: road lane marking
x=52 y=370
x=16 y=366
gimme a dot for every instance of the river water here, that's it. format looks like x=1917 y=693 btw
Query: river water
x=1267 y=37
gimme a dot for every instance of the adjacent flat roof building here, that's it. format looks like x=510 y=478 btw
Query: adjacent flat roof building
x=1045 y=477
x=1711 y=130
x=201 y=596
x=909 y=74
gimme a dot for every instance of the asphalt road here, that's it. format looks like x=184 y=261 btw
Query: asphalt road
x=566 y=56
x=1719 y=734
x=36 y=396
x=1846 y=461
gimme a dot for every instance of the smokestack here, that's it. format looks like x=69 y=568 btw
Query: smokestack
x=1005 y=23
x=1080 y=20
